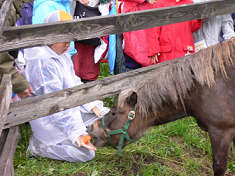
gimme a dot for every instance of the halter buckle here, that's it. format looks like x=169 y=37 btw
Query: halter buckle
x=131 y=115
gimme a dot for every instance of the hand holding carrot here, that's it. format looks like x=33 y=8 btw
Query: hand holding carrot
x=84 y=141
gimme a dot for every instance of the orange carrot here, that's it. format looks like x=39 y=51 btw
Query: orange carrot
x=87 y=139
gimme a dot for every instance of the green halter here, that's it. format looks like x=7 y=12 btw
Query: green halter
x=123 y=132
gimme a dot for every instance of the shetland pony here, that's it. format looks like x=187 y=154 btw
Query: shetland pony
x=202 y=86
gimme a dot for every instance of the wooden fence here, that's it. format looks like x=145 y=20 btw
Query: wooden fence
x=28 y=109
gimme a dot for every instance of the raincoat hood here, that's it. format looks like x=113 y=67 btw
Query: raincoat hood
x=42 y=52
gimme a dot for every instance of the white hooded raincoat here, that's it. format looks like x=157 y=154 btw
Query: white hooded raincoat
x=55 y=136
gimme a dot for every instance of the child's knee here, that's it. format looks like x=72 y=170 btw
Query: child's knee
x=87 y=157
x=81 y=155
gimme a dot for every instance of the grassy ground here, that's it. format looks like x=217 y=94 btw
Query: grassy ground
x=175 y=149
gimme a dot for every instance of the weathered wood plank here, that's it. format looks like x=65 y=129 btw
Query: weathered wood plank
x=5 y=9
x=35 y=107
x=8 y=151
x=5 y=98
x=43 y=34
x=3 y=137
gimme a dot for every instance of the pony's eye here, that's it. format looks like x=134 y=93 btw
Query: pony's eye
x=113 y=113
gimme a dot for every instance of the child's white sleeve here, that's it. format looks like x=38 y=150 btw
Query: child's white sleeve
x=89 y=106
x=70 y=123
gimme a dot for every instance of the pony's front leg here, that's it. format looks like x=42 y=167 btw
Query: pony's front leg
x=221 y=142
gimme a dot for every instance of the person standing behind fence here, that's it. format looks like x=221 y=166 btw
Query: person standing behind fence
x=61 y=135
x=139 y=46
x=213 y=29
x=84 y=63
x=20 y=85
x=176 y=40
x=25 y=19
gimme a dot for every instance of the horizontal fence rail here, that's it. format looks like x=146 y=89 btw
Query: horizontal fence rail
x=35 y=107
x=44 y=34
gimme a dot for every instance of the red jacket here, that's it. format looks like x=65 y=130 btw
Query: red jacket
x=137 y=44
x=83 y=61
x=176 y=40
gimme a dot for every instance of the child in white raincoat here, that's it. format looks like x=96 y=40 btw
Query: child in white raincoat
x=59 y=136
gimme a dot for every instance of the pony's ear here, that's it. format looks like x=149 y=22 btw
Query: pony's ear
x=127 y=97
x=132 y=99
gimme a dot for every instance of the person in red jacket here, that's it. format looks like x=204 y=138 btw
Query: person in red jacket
x=175 y=40
x=139 y=47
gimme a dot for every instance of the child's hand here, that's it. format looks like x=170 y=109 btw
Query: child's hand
x=82 y=142
x=154 y=58
x=97 y=111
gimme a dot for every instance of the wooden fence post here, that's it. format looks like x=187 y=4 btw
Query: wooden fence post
x=5 y=9
x=8 y=137
x=5 y=98
x=8 y=150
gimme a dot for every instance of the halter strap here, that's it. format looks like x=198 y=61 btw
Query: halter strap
x=123 y=132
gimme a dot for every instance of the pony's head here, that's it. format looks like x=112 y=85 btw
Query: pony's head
x=130 y=118
x=120 y=125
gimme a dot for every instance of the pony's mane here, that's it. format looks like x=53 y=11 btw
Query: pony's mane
x=174 y=81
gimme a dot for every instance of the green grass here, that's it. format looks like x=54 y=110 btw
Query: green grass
x=164 y=150
x=179 y=148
